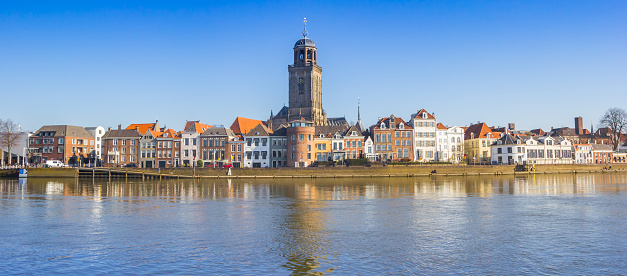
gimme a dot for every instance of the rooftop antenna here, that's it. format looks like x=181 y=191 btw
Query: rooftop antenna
x=305 y=33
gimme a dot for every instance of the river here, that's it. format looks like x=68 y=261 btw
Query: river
x=542 y=224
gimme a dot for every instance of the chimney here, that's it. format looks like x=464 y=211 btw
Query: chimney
x=120 y=127
x=511 y=126
x=109 y=128
x=578 y=125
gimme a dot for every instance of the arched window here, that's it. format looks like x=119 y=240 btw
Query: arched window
x=453 y=140
x=308 y=54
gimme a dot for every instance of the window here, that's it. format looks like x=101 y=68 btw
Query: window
x=193 y=141
x=115 y=142
x=509 y=149
x=308 y=147
x=256 y=140
x=264 y=141
x=186 y=153
x=378 y=138
x=194 y=153
x=301 y=137
x=293 y=137
x=264 y=155
x=60 y=141
x=123 y=142
x=132 y=142
x=499 y=150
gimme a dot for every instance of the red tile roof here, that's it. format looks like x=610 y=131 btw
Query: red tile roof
x=422 y=111
x=441 y=126
x=196 y=126
x=142 y=128
x=243 y=125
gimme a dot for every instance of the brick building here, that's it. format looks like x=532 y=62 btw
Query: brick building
x=120 y=147
x=72 y=145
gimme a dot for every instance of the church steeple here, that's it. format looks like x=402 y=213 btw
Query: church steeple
x=305 y=77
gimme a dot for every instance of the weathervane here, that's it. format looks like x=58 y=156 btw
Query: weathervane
x=305 y=33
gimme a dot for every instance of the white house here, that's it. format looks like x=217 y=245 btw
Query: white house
x=190 y=142
x=369 y=148
x=424 y=127
x=583 y=154
x=449 y=143
x=508 y=150
x=97 y=132
x=548 y=150
x=257 y=147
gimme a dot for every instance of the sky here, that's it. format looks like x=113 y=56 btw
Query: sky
x=534 y=63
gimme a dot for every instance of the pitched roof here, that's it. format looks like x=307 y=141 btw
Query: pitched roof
x=242 y=125
x=507 y=139
x=218 y=131
x=397 y=123
x=281 y=131
x=195 y=126
x=65 y=130
x=419 y=115
x=601 y=147
x=478 y=131
x=122 y=133
x=538 y=131
x=441 y=126
x=351 y=129
x=282 y=113
x=169 y=133
x=259 y=130
x=142 y=128
x=330 y=130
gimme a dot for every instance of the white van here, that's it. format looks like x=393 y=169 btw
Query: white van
x=54 y=164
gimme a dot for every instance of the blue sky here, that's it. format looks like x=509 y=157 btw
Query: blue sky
x=535 y=63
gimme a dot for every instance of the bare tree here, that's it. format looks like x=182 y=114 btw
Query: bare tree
x=616 y=119
x=9 y=136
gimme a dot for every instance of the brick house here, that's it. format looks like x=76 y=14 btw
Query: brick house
x=73 y=145
x=602 y=154
x=393 y=139
x=214 y=143
x=120 y=147
x=168 y=149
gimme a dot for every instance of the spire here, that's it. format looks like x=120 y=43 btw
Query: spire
x=358 y=111
x=305 y=33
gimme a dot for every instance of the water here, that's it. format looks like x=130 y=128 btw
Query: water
x=556 y=224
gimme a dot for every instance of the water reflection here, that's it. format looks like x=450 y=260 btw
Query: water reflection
x=317 y=226
x=323 y=189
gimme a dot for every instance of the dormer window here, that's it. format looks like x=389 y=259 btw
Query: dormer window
x=424 y=115
x=382 y=125
x=402 y=126
x=354 y=133
x=487 y=135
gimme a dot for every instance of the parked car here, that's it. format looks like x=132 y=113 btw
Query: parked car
x=131 y=165
x=54 y=164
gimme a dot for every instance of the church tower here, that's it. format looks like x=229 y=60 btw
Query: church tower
x=305 y=83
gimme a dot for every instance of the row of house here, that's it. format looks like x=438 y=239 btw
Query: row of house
x=255 y=143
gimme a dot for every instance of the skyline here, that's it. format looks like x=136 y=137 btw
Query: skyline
x=107 y=64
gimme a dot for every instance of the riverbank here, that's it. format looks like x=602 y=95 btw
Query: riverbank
x=329 y=172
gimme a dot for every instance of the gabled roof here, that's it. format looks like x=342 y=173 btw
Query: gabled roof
x=142 y=128
x=479 y=131
x=195 y=126
x=154 y=133
x=65 y=130
x=122 y=133
x=351 y=129
x=507 y=139
x=282 y=113
x=441 y=126
x=387 y=122
x=419 y=115
x=168 y=134
x=538 y=131
x=242 y=125
x=259 y=130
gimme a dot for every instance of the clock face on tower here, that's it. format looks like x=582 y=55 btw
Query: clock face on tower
x=301 y=81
